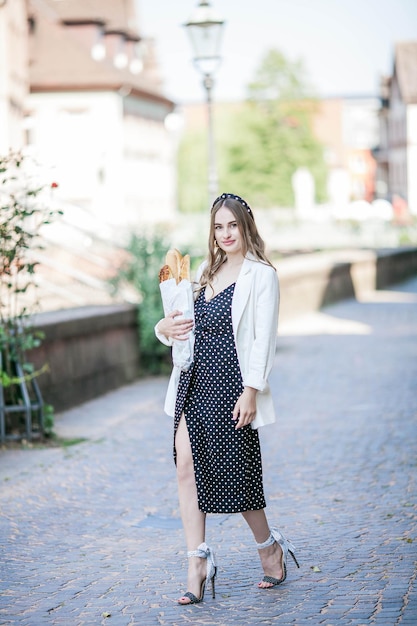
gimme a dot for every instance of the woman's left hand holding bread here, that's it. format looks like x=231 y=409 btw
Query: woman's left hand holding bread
x=175 y=328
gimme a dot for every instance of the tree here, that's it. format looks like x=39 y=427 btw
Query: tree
x=192 y=171
x=279 y=80
x=271 y=136
x=260 y=143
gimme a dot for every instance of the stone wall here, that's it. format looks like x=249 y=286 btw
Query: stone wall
x=89 y=351
x=310 y=282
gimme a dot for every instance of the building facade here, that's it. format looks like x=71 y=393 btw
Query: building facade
x=80 y=90
x=348 y=130
x=14 y=73
x=397 y=151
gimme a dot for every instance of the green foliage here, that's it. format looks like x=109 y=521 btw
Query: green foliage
x=192 y=172
x=272 y=144
x=279 y=79
x=260 y=143
x=275 y=136
x=24 y=211
x=48 y=420
x=141 y=270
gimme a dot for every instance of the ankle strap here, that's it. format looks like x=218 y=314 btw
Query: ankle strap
x=274 y=535
x=268 y=542
x=203 y=551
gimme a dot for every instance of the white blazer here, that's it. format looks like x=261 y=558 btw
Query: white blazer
x=255 y=306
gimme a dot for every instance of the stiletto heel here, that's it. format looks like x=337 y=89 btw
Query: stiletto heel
x=203 y=552
x=213 y=590
x=286 y=547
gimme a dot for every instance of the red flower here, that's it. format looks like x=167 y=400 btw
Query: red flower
x=54 y=185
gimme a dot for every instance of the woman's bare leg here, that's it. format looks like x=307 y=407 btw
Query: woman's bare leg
x=271 y=557
x=193 y=520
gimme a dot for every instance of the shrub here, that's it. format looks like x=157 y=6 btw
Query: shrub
x=146 y=256
x=24 y=211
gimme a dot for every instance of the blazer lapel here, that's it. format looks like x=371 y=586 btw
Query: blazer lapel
x=241 y=293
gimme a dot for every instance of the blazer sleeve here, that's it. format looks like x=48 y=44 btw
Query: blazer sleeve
x=166 y=341
x=262 y=352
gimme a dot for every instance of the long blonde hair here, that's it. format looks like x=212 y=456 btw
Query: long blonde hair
x=251 y=240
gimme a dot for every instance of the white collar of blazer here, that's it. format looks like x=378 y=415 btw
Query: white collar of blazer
x=242 y=289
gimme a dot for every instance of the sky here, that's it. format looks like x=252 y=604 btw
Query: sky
x=346 y=45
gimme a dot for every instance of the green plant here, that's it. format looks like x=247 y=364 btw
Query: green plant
x=48 y=419
x=146 y=256
x=24 y=211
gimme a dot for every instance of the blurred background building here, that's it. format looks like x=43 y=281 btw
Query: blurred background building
x=14 y=73
x=81 y=91
x=397 y=150
x=348 y=130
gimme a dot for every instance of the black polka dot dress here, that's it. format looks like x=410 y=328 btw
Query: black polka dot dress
x=227 y=462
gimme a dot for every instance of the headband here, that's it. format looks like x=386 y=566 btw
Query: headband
x=224 y=196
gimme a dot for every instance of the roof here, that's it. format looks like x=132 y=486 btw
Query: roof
x=60 y=59
x=118 y=14
x=405 y=69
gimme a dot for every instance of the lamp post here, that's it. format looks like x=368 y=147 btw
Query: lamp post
x=205 y=30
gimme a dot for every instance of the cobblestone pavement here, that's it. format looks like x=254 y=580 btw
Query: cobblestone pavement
x=90 y=533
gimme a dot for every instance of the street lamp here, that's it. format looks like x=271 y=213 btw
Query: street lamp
x=205 y=31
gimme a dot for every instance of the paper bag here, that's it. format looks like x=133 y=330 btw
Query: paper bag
x=180 y=297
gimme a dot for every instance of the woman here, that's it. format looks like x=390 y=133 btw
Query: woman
x=221 y=401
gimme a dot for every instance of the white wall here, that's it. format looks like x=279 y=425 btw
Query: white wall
x=360 y=122
x=119 y=167
x=397 y=128
x=13 y=74
x=150 y=170
x=412 y=157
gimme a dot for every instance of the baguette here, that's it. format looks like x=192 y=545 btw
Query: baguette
x=185 y=273
x=165 y=273
x=176 y=266
x=173 y=260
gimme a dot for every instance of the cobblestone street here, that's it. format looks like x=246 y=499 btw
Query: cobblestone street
x=90 y=533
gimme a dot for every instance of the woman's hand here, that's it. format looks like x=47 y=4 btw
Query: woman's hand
x=245 y=408
x=177 y=329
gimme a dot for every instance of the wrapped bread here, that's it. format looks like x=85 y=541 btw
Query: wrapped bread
x=185 y=272
x=165 y=273
x=176 y=266
x=173 y=260
x=177 y=294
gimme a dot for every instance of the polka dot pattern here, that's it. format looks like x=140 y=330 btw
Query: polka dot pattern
x=227 y=462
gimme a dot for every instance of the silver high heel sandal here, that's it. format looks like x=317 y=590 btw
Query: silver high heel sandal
x=204 y=552
x=286 y=547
